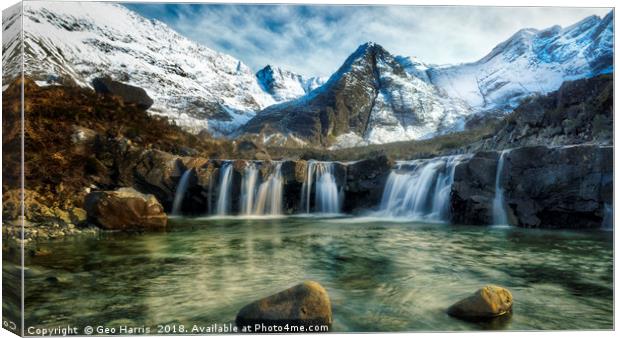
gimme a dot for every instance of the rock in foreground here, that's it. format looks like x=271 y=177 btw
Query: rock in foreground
x=125 y=209
x=488 y=302
x=304 y=304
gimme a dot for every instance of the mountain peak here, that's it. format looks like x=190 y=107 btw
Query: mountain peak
x=285 y=85
x=369 y=47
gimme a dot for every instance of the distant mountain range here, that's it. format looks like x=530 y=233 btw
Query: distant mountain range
x=374 y=97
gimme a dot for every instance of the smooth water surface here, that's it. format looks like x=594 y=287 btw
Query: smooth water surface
x=381 y=276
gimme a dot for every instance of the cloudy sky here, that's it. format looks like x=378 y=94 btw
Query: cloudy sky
x=316 y=39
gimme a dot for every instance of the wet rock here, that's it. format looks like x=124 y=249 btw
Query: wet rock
x=128 y=93
x=564 y=187
x=488 y=302
x=304 y=304
x=125 y=209
x=365 y=181
x=301 y=170
x=473 y=189
x=154 y=172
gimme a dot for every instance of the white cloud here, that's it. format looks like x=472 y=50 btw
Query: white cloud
x=315 y=40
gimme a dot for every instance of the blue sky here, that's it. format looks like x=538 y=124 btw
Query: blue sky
x=316 y=39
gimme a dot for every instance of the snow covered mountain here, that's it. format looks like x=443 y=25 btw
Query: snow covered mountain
x=193 y=85
x=284 y=85
x=374 y=97
x=370 y=99
x=531 y=61
x=378 y=98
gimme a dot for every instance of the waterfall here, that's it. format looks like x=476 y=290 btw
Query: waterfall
x=248 y=188
x=326 y=195
x=608 y=217
x=269 y=196
x=420 y=189
x=499 y=212
x=223 y=201
x=306 y=187
x=179 y=194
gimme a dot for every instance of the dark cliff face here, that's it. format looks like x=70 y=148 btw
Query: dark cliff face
x=564 y=187
x=340 y=106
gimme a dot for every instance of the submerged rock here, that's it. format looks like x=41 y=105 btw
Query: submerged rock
x=125 y=209
x=488 y=302
x=303 y=304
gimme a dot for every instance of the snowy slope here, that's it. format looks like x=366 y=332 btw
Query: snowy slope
x=372 y=98
x=284 y=85
x=406 y=107
x=11 y=39
x=531 y=61
x=195 y=86
x=401 y=98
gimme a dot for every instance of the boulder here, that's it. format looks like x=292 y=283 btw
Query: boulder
x=125 y=209
x=303 y=304
x=488 y=302
x=129 y=94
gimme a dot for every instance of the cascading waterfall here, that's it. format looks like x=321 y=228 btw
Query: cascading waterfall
x=248 y=188
x=269 y=195
x=499 y=211
x=223 y=201
x=179 y=194
x=327 y=198
x=420 y=189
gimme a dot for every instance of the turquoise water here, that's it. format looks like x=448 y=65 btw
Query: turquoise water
x=380 y=275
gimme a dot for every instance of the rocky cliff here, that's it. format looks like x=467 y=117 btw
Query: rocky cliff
x=561 y=187
x=581 y=111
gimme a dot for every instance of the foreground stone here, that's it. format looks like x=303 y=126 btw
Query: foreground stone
x=303 y=304
x=125 y=209
x=489 y=302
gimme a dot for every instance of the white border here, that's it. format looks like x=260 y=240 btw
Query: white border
x=503 y=3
